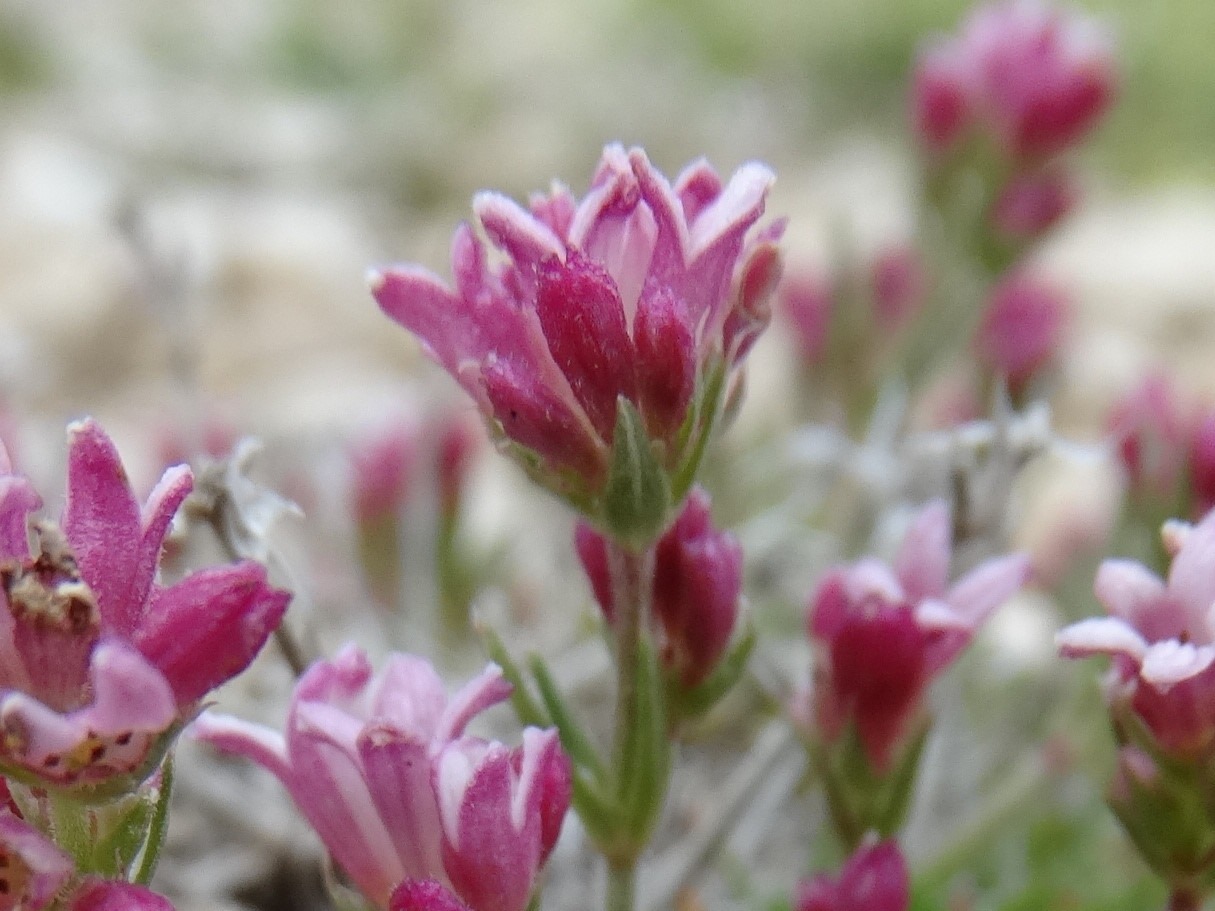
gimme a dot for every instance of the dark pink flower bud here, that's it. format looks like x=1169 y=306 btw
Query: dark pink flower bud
x=900 y=286
x=593 y=552
x=460 y=440
x=1202 y=464
x=583 y=321
x=1022 y=328
x=1032 y=203
x=874 y=879
x=1150 y=430
x=697 y=583
x=806 y=300
x=666 y=360
x=941 y=102
x=752 y=310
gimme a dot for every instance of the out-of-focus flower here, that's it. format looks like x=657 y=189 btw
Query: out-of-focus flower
x=382 y=770
x=459 y=440
x=381 y=467
x=1151 y=429
x=639 y=293
x=1031 y=79
x=697 y=584
x=1022 y=328
x=1032 y=203
x=900 y=286
x=1162 y=638
x=884 y=633
x=1202 y=464
x=104 y=895
x=100 y=664
x=874 y=879
x=806 y=300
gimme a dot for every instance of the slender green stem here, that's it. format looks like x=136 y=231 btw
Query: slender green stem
x=621 y=886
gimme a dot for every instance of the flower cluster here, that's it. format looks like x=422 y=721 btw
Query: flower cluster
x=99 y=663
x=401 y=797
x=874 y=879
x=599 y=347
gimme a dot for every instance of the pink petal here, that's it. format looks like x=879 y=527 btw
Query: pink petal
x=409 y=695
x=1133 y=593
x=398 y=770
x=545 y=784
x=156 y=518
x=1101 y=636
x=17 y=500
x=102 y=522
x=486 y=689
x=338 y=680
x=672 y=243
x=424 y=895
x=255 y=742
x=526 y=240
x=32 y=862
x=1191 y=579
x=206 y=629
x=875 y=879
x=105 y=895
x=665 y=343
x=697 y=186
x=418 y=300
x=1170 y=662
x=922 y=565
x=989 y=585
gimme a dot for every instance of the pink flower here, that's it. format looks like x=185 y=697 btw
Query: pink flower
x=807 y=301
x=34 y=872
x=900 y=287
x=635 y=292
x=1151 y=429
x=99 y=663
x=1162 y=637
x=697 y=584
x=1022 y=329
x=1033 y=202
x=381 y=769
x=1202 y=464
x=874 y=879
x=381 y=465
x=886 y=633
x=1033 y=79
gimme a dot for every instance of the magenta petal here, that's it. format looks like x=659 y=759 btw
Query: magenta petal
x=158 y=513
x=666 y=360
x=829 y=605
x=424 y=895
x=545 y=783
x=526 y=240
x=106 y=895
x=207 y=628
x=409 y=695
x=672 y=244
x=31 y=862
x=875 y=879
x=255 y=742
x=398 y=770
x=583 y=320
x=592 y=553
x=418 y=300
x=17 y=500
x=989 y=585
x=491 y=846
x=697 y=186
x=922 y=565
x=101 y=520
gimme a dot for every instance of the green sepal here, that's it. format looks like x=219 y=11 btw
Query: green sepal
x=702 y=419
x=526 y=708
x=158 y=826
x=573 y=738
x=637 y=496
x=694 y=702
x=599 y=812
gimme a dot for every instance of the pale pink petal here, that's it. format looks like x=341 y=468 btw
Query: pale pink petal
x=1191 y=579
x=1170 y=662
x=922 y=565
x=672 y=243
x=869 y=578
x=397 y=766
x=989 y=585
x=1130 y=591
x=486 y=689
x=255 y=742
x=409 y=695
x=17 y=500
x=156 y=518
x=32 y=863
x=1101 y=636
x=524 y=238
x=340 y=680
x=697 y=186
x=937 y=615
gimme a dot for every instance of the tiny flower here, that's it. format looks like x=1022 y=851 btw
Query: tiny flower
x=633 y=294
x=874 y=879
x=1033 y=80
x=458 y=443
x=1162 y=637
x=381 y=465
x=99 y=663
x=697 y=584
x=885 y=633
x=1150 y=430
x=1022 y=328
x=1202 y=464
x=900 y=286
x=807 y=301
x=381 y=769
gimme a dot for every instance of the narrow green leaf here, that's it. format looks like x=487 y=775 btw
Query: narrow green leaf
x=526 y=708
x=575 y=740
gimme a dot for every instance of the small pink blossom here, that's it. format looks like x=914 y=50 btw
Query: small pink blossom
x=1032 y=79
x=1162 y=637
x=697 y=584
x=900 y=287
x=1022 y=328
x=1032 y=203
x=874 y=879
x=635 y=291
x=382 y=461
x=382 y=770
x=1151 y=429
x=885 y=632
x=807 y=302
x=99 y=663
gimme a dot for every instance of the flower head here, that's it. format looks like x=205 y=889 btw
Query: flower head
x=885 y=633
x=1162 y=637
x=1022 y=328
x=380 y=766
x=637 y=293
x=1031 y=79
x=99 y=663
x=874 y=879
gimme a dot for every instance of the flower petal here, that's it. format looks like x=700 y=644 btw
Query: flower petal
x=1170 y=662
x=107 y=895
x=922 y=565
x=1130 y=591
x=34 y=869
x=1191 y=579
x=488 y=688
x=1101 y=636
x=989 y=585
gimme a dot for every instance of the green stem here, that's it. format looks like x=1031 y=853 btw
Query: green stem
x=621 y=886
